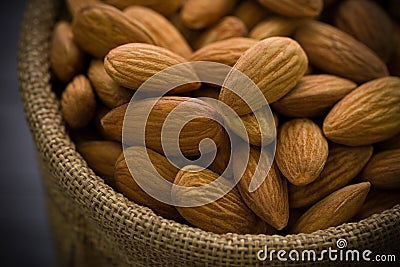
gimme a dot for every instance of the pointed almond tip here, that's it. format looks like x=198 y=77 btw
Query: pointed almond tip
x=303 y=179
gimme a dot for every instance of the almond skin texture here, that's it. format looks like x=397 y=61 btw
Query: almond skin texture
x=132 y=64
x=98 y=28
x=301 y=151
x=250 y=12
x=337 y=208
x=226 y=52
x=228 y=214
x=227 y=27
x=336 y=52
x=128 y=186
x=67 y=59
x=164 y=7
x=378 y=201
x=383 y=170
x=295 y=8
x=270 y=200
x=275 y=65
x=343 y=164
x=162 y=31
x=78 y=103
x=274 y=26
x=200 y=14
x=109 y=92
x=369 y=114
x=354 y=17
x=314 y=95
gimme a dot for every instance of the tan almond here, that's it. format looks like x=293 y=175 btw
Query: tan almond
x=354 y=17
x=383 y=170
x=101 y=156
x=376 y=202
x=228 y=214
x=98 y=28
x=369 y=114
x=109 y=92
x=343 y=164
x=270 y=200
x=126 y=184
x=164 y=7
x=250 y=12
x=295 y=8
x=225 y=52
x=274 y=26
x=228 y=27
x=66 y=58
x=78 y=103
x=335 y=209
x=132 y=64
x=200 y=14
x=162 y=31
x=274 y=64
x=314 y=95
x=301 y=151
x=336 y=52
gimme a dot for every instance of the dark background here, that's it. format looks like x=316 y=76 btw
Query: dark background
x=25 y=237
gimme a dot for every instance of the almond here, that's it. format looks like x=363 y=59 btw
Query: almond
x=336 y=52
x=74 y=6
x=98 y=28
x=228 y=214
x=274 y=64
x=200 y=14
x=227 y=27
x=383 y=170
x=378 y=201
x=354 y=17
x=314 y=95
x=78 y=103
x=250 y=12
x=132 y=64
x=226 y=52
x=274 y=26
x=67 y=59
x=295 y=8
x=369 y=114
x=128 y=186
x=335 y=209
x=164 y=7
x=301 y=151
x=162 y=31
x=270 y=200
x=343 y=164
x=222 y=159
x=109 y=92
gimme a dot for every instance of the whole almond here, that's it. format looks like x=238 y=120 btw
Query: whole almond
x=98 y=28
x=164 y=7
x=343 y=164
x=274 y=64
x=132 y=64
x=336 y=52
x=162 y=31
x=250 y=12
x=101 y=156
x=383 y=170
x=274 y=26
x=226 y=52
x=109 y=92
x=314 y=95
x=270 y=200
x=228 y=214
x=354 y=17
x=228 y=27
x=78 y=103
x=200 y=14
x=301 y=151
x=128 y=186
x=335 y=209
x=378 y=201
x=294 y=8
x=369 y=114
x=67 y=59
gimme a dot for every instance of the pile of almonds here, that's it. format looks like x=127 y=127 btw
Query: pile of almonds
x=327 y=68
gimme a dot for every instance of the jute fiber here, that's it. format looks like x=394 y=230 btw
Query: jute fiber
x=95 y=226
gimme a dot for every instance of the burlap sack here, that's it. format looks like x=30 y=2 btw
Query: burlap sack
x=95 y=226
